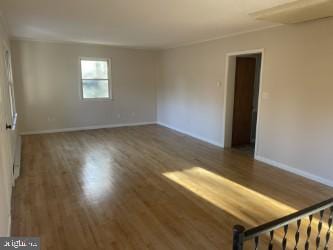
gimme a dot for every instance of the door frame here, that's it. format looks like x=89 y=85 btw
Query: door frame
x=229 y=88
x=6 y=156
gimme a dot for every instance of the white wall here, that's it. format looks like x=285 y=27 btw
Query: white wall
x=47 y=86
x=7 y=140
x=296 y=120
x=296 y=117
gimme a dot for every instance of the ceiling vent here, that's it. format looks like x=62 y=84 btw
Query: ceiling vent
x=297 y=12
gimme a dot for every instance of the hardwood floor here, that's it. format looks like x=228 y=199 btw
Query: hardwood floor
x=146 y=187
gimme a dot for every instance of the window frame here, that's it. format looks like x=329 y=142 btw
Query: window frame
x=108 y=60
x=8 y=67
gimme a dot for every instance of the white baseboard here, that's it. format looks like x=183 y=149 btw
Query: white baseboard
x=295 y=170
x=262 y=159
x=49 y=131
x=257 y=157
x=192 y=135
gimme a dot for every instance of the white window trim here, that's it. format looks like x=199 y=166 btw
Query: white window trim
x=109 y=79
x=8 y=70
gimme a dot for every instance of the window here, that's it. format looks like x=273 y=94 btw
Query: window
x=9 y=75
x=95 y=78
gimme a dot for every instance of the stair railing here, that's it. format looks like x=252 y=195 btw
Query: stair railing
x=240 y=234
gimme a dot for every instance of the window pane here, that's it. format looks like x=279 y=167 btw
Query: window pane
x=95 y=88
x=94 y=69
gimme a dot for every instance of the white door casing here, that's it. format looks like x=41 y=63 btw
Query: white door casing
x=6 y=154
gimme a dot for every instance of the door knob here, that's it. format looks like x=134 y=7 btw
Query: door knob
x=8 y=126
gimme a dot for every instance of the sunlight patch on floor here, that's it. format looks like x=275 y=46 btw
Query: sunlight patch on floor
x=250 y=207
x=241 y=202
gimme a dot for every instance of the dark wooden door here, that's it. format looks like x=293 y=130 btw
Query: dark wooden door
x=243 y=100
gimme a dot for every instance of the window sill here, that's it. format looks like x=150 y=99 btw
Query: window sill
x=95 y=99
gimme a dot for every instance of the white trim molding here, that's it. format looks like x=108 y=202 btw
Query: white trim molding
x=227 y=94
x=295 y=170
x=218 y=144
x=239 y=33
x=17 y=159
x=109 y=79
x=215 y=143
x=51 y=131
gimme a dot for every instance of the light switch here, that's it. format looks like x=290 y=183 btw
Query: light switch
x=218 y=83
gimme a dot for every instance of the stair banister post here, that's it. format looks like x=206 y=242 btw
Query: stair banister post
x=238 y=234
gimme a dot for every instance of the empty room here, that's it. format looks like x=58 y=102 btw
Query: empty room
x=166 y=124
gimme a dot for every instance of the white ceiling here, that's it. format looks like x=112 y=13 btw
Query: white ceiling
x=134 y=23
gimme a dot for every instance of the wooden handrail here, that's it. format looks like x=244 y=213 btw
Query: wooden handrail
x=240 y=234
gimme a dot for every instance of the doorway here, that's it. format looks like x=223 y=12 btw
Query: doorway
x=242 y=91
